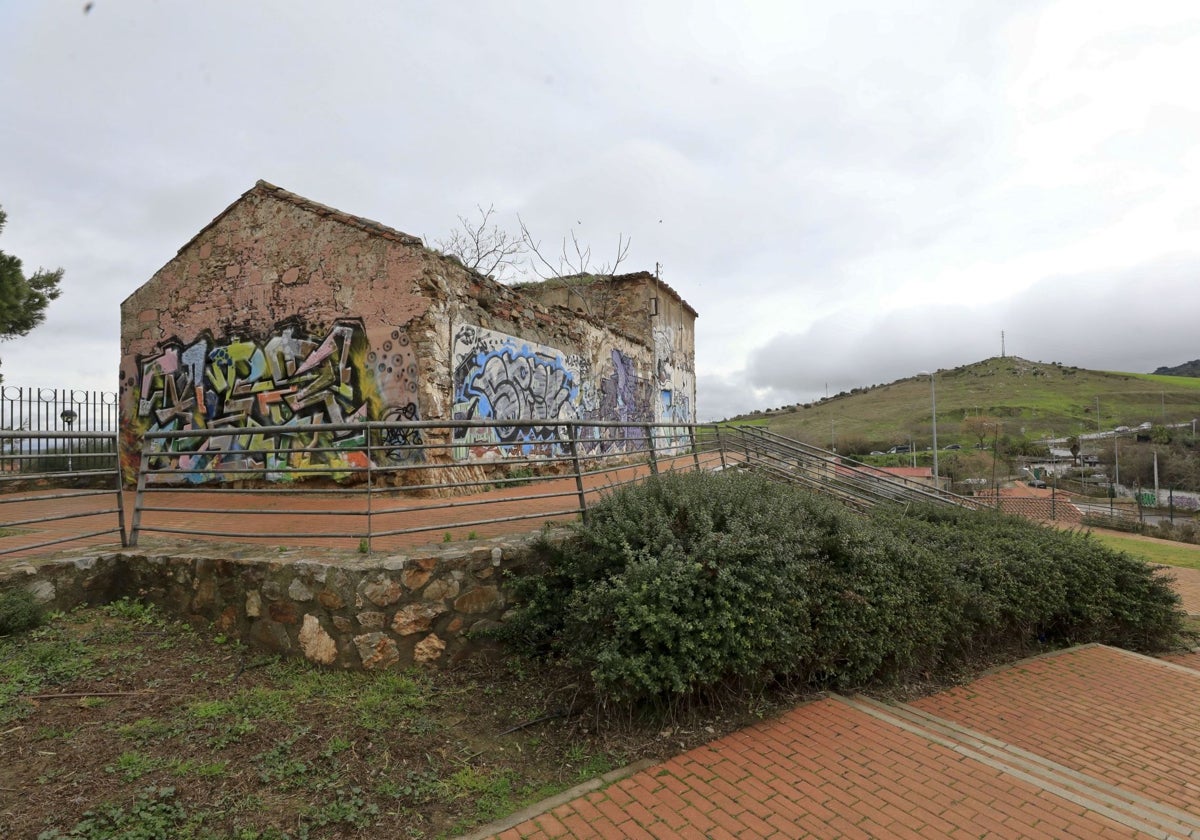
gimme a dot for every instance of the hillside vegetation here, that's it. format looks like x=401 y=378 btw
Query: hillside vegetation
x=1030 y=399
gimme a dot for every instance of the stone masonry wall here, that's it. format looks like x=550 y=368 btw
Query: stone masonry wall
x=283 y=312
x=343 y=611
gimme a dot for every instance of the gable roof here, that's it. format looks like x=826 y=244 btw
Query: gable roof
x=364 y=224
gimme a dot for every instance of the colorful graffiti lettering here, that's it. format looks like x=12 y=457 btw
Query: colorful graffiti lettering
x=287 y=380
x=502 y=377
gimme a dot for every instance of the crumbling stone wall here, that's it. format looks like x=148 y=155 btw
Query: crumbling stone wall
x=283 y=311
x=424 y=608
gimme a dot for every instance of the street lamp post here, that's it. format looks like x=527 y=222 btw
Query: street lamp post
x=68 y=416
x=933 y=396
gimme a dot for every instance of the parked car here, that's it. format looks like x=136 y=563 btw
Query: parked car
x=897 y=449
x=954 y=446
x=876 y=452
x=1036 y=482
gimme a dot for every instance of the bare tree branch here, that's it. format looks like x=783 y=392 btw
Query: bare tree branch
x=574 y=268
x=483 y=246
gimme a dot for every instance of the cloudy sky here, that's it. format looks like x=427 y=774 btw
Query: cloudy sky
x=848 y=192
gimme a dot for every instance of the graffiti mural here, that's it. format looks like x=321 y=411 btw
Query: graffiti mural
x=675 y=384
x=289 y=379
x=502 y=377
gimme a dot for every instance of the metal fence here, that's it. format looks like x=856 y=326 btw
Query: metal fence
x=854 y=483
x=51 y=483
x=53 y=410
x=380 y=485
x=375 y=483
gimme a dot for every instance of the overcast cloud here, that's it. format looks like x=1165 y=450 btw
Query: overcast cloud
x=847 y=192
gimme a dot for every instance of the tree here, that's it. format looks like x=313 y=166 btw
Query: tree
x=23 y=300
x=981 y=427
x=573 y=267
x=484 y=246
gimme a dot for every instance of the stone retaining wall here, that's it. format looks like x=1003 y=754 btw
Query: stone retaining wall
x=345 y=611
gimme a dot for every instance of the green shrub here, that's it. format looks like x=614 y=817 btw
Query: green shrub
x=18 y=611
x=690 y=582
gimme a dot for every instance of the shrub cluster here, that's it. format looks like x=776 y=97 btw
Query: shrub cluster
x=693 y=581
x=18 y=612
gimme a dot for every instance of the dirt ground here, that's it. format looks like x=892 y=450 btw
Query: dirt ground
x=115 y=721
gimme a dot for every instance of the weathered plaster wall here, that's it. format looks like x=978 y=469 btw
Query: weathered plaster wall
x=284 y=312
x=275 y=315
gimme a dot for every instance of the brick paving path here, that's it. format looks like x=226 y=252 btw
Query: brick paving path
x=1090 y=743
x=1187 y=584
x=1127 y=719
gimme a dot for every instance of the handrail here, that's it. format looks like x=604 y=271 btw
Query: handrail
x=437 y=459
x=55 y=479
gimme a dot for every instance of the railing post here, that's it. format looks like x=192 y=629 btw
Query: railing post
x=139 y=498
x=116 y=439
x=650 y=448
x=370 y=483
x=695 y=448
x=573 y=448
x=721 y=449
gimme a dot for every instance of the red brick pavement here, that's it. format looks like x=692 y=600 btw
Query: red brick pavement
x=1123 y=729
x=1187 y=584
x=1129 y=720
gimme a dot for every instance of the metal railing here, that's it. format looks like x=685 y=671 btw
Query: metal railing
x=52 y=410
x=376 y=481
x=374 y=485
x=853 y=482
x=50 y=480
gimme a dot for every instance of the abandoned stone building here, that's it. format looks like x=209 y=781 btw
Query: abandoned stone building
x=285 y=312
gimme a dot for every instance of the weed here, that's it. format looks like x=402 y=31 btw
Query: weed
x=51 y=733
x=146 y=729
x=447 y=537
x=413 y=785
x=364 y=547
x=388 y=700
x=472 y=536
x=278 y=766
x=334 y=746
x=19 y=611
x=153 y=814
x=133 y=611
x=349 y=808
x=131 y=766
x=32 y=661
x=201 y=769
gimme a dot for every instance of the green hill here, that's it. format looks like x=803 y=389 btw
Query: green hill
x=1191 y=368
x=1030 y=399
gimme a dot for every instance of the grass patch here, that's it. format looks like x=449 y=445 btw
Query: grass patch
x=1152 y=551
x=203 y=740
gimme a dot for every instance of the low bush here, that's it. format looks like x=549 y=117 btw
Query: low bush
x=18 y=611
x=690 y=582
